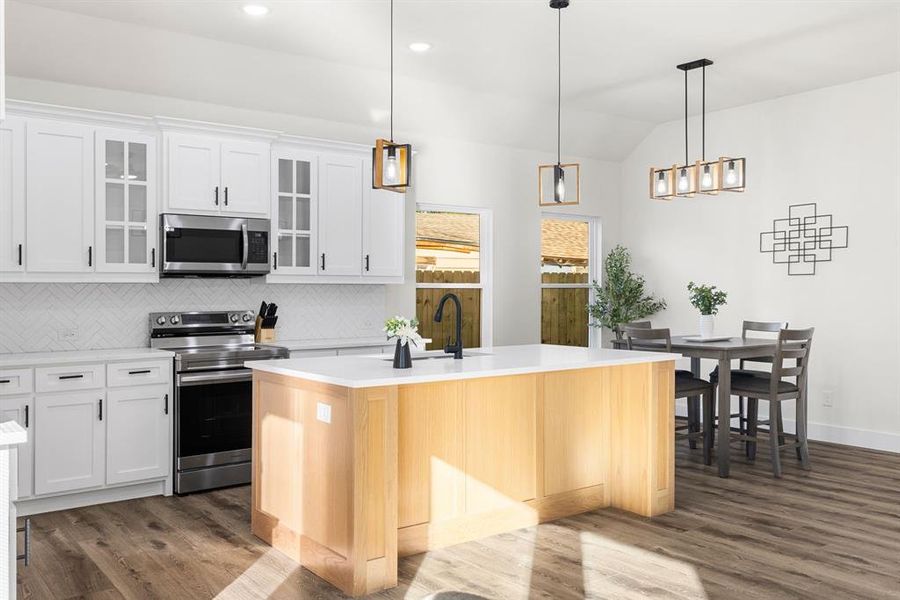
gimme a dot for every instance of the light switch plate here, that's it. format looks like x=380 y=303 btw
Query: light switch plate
x=323 y=412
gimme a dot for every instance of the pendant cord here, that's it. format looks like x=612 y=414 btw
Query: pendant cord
x=392 y=71
x=685 y=119
x=558 y=85
x=703 y=119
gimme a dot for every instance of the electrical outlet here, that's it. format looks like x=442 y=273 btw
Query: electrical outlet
x=68 y=334
x=323 y=412
x=828 y=398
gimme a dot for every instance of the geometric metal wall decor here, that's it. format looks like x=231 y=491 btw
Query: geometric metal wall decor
x=804 y=239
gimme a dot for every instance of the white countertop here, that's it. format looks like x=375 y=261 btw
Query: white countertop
x=328 y=343
x=11 y=433
x=376 y=369
x=31 y=359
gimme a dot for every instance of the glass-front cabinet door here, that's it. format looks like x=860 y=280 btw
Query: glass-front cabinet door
x=126 y=202
x=294 y=213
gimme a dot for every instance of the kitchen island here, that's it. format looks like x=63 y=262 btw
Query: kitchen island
x=356 y=463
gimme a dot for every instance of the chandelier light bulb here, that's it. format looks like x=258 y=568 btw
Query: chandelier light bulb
x=561 y=189
x=391 y=169
x=731 y=174
x=683 y=183
x=707 y=180
x=661 y=184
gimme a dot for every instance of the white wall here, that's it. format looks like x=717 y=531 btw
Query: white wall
x=838 y=147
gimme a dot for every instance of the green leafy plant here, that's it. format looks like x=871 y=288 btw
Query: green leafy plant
x=622 y=297
x=707 y=299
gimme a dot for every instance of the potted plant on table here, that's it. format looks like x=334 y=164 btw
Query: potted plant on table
x=406 y=332
x=622 y=297
x=707 y=299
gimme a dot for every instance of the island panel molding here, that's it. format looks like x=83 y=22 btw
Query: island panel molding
x=425 y=464
x=804 y=239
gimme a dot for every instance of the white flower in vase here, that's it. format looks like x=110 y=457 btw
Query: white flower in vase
x=403 y=329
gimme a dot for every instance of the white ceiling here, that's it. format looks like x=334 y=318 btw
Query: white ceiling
x=618 y=61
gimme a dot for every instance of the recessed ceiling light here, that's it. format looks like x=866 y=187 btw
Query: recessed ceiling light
x=420 y=46
x=255 y=10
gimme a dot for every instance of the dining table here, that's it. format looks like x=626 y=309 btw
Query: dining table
x=724 y=351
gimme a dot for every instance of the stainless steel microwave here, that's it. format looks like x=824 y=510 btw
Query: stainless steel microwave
x=213 y=246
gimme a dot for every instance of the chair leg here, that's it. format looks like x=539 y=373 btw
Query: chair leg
x=803 y=446
x=780 y=426
x=693 y=404
x=752 y=418
x=742 y=417
x=774 y=436
x=709 y=401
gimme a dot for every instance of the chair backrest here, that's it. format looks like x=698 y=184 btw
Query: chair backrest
x=761 y=326
x=793 y=344
x=640 y=324
x=646 y=334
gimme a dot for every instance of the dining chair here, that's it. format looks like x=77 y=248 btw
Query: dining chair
x=792 y=344
x=686 y=386
x=750 y=327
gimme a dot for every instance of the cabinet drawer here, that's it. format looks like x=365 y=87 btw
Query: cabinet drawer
x=16 y=381
x=75 y=377
x=138 y=373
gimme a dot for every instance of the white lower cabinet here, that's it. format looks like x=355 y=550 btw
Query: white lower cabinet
x=137 y=433
x=20 y=409
x=69 y=441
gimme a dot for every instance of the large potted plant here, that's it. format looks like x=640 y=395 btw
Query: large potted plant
x=707 y=299
x=622 y=297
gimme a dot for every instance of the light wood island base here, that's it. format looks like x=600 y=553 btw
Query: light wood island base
x=403 y=469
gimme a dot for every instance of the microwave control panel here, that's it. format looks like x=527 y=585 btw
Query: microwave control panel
x=258 y=247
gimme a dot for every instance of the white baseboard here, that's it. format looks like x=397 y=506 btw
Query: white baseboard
x=837 y=434
x=34 y=506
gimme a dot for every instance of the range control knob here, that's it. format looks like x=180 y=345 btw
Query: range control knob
x=246 y=317
x=174 y=319
x=234 y=318
x=160 y=320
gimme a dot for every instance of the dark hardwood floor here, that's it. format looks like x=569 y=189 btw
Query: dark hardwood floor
x=831 y=533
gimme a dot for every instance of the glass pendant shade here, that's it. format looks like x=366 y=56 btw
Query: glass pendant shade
x=685 y=180
x=391 y=166
x=732 y=174
x=708 y=182
x=559 y=184
x=662 y=183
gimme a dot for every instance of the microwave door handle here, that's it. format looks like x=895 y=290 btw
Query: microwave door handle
x=246 y=243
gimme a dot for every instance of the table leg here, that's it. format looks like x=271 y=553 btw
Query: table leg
x=693 y=405
x=724 y=432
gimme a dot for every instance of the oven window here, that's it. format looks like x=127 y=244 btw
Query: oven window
x=204 y=246
x=214 y=417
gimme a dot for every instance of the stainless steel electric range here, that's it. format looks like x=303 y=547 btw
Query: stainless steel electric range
x=213 y=393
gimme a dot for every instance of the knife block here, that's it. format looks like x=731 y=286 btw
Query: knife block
x=263 y=335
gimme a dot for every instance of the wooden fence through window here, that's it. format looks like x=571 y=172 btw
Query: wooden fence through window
x=564 y=317
x=427 y=302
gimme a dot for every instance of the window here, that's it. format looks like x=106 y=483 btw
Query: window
x=452 y=255
x=568 y=245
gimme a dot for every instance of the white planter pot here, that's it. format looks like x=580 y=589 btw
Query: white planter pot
x=707 y=326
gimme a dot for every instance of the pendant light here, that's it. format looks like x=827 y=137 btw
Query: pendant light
x=552 y=187
x=704 y=177
x=391 y=162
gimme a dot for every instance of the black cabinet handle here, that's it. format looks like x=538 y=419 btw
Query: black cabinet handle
x=4 y=380
x=217 y=195
x=90 y=256
x=140 y=372
x=275 y=258
x=79 y=376
x=226 y=195
x=153 y=257
x=100 y=406
x=323 y=261
x=26 y=415
x=20 y=255
x=367 y=262
x=166 y=405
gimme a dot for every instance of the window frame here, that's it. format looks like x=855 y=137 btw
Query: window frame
x=485 y=263
x=595 y=262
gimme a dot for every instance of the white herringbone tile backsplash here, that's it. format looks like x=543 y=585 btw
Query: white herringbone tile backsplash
x=115 y=315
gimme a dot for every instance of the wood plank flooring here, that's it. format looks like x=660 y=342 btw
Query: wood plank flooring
x=830 y=533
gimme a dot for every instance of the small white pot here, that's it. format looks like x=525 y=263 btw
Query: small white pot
x=707 y=326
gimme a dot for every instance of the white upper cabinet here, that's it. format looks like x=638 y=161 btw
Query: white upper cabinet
x=295 y=212
x=340 y=215
x=209 y=175
x=383 y=225
x=59 y=197
x=126 y=202
x=245 y=177
x=12 y=195
x=193 y=173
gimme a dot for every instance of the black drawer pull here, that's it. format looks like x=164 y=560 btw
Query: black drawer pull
x=140 y=372
x=26 y=416
x=5 y=381
x=79 y=376
x=26 y=556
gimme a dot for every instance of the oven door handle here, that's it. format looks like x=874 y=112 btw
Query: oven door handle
x=246 y=243
x=230 y=376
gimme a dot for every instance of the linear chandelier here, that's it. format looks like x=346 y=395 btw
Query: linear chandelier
x=391 y=162
x=552 y=178
x=702 y=177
